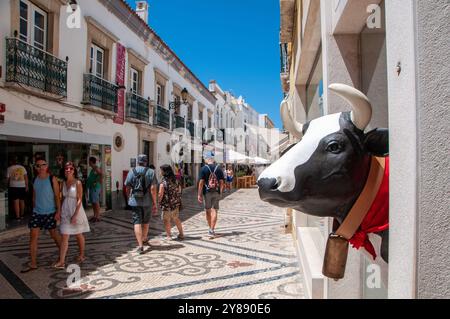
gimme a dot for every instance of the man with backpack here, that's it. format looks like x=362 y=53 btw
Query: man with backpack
x=46 y=210
x=211 y=187
x=141 y=181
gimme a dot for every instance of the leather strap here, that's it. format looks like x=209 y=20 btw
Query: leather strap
x=362 y=205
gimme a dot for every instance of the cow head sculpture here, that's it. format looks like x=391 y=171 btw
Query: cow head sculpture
x=324 y=173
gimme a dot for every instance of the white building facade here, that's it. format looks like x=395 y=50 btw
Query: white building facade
x=93 y=80
x=394 y=52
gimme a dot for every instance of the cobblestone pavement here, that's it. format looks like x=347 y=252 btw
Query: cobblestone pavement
x=251 y=257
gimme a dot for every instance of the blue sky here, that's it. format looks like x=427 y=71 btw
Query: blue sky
x=234 y=42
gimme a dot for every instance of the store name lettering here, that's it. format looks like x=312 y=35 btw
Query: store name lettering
x=40 y=117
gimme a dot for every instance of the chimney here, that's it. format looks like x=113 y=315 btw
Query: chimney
x=142 y=10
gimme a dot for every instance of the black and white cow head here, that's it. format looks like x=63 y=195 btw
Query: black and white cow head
x=325 y=172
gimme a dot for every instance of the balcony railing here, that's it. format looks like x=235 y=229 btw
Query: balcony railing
x=99 y=93
x=179 y=121
x=284 y=58
x=28 y=65
x=162 y=117
x=137 y=107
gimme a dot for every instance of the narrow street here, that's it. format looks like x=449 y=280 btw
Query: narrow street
x=251 y=257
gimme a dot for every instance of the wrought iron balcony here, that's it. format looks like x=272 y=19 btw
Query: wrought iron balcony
x=100 y=93
x=179 y=121
x=28 y=65
x=284 y=56
x=137 y=107
x=162 y=117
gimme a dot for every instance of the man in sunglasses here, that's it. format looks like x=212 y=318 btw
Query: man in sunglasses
x=46 y=210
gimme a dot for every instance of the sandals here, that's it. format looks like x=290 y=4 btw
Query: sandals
x=59 y=266
x=180 y=237
x=28 y=269
x=80 y=260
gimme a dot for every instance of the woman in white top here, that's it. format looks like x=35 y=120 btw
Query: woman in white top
x=73 y=216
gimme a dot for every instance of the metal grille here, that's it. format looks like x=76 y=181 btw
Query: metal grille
x=162 y=117
x=100 y=93
x=33 y=67
x=179 y=121
x=137 y=107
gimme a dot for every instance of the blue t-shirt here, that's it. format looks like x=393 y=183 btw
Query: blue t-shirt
x=44 y=203
x=150 y=179
x=204 y=174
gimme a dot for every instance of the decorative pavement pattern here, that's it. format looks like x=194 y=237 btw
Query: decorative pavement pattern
x=251 y=257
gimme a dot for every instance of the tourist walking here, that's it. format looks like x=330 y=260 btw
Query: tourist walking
x=18 y=187
x=46 y=210
x=230 y=177
x=94 y=186
x=170 y=201
x=73 y=217
x=141 y=182
x=210 y=189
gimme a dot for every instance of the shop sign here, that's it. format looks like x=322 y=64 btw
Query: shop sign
x=2 y=110
x=108 y=176
x=53 y=120
x=120 y=80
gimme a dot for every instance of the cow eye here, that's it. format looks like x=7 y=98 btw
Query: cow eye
x=334 y=147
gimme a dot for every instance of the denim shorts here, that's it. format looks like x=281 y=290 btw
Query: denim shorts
x=94 y=195
x=141 y=215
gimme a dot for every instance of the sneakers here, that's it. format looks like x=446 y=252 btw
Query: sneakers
x=211 y=233
x=140 y=250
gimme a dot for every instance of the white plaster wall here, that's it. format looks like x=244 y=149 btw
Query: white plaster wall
x=121 y=160
x=400 y=41
x=433 y=47
x=374 y=75
x=340 y=62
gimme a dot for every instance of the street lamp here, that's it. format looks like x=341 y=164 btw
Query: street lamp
x=74 y=5
x=177 y=103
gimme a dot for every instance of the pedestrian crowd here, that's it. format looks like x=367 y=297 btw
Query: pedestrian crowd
x=59 y=200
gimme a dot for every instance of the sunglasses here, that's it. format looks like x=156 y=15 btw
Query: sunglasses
x=40 y=165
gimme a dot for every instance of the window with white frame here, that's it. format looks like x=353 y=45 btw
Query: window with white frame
x=97 y=62
x=159 y=94
x=135 y=81
x=33 y=25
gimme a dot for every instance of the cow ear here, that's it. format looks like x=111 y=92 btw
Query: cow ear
x=377 y=142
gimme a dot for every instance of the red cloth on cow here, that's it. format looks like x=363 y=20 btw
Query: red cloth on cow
x=377 y=218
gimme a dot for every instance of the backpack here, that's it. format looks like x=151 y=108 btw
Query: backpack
x=172 y=196
x=213 y=183
x=139 y=188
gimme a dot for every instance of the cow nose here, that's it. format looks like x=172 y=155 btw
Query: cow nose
x=268 y=184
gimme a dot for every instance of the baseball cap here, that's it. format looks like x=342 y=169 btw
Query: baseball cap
x=142 y=158
x=209 y=154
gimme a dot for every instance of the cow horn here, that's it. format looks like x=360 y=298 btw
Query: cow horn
x=291 y=125
x=362 y=110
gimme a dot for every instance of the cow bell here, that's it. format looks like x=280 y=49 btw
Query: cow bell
x=335 y=258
